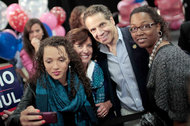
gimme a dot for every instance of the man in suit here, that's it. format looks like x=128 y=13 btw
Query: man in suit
x=184 y=38
x=186 y=5
x=124 y=64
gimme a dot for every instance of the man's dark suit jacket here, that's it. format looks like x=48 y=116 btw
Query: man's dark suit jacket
x=139 y=61
x=186 y=5
x=184 y=38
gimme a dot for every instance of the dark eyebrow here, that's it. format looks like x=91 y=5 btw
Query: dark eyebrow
x=102 y=23
x=63 y=57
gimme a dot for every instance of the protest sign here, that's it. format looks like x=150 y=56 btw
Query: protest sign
x=11 y=89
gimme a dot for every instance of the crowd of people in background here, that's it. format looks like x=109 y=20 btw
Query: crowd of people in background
x=100 y=74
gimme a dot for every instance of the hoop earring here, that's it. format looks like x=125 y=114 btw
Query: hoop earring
x=70 y=68
x=160 y=34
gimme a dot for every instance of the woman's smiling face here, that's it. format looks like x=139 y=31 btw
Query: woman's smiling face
x=84 y=50
x=147 y=31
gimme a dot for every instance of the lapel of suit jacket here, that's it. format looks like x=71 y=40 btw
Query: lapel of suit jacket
x=129 y=43
x=139 y=61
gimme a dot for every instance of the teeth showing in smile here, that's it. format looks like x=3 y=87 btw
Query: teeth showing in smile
x=84 y=57
x=141 y=40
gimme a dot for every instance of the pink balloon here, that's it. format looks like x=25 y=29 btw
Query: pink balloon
x=49 y=19
x=11 y=32
x=59 y=13
x=124 y=21
x=11 y=8
x=175 y=25
x=171 y=11
x=124 y=3
x=59 y=31
x=121 y=5
x=18 y=19
x=125 y=13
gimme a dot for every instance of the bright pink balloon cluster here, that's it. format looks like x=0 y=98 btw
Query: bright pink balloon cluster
x=18 y=19
x=59 y=13
x=11 y=8
x=59 y=31
x=125 y=7
x=60 y=16
x=172 y=12
x=49 y=19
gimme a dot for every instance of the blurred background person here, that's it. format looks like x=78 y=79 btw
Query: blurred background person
x=186 y=5
x=34 y=32
x=76 y=17
x=184 y=37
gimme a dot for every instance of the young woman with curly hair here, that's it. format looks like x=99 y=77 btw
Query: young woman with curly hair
x=59 y=85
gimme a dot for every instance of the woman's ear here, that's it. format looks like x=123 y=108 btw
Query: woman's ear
x=158 y=26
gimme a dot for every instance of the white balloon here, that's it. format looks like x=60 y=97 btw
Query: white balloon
x=3 y=19
x=34 y=8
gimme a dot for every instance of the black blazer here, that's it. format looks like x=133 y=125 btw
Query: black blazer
x=186 y=5
x=139 y=61
x=184 y=38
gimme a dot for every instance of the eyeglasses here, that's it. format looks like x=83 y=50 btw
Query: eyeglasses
x=143 y=27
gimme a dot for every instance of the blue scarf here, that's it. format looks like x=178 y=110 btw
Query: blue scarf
x=54 y=97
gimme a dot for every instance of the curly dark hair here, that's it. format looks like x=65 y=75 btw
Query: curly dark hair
x=152 y=12
x=97 y=8
x=74 y=20
x=76 y=66
x=26 y=42
x=81 y=35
